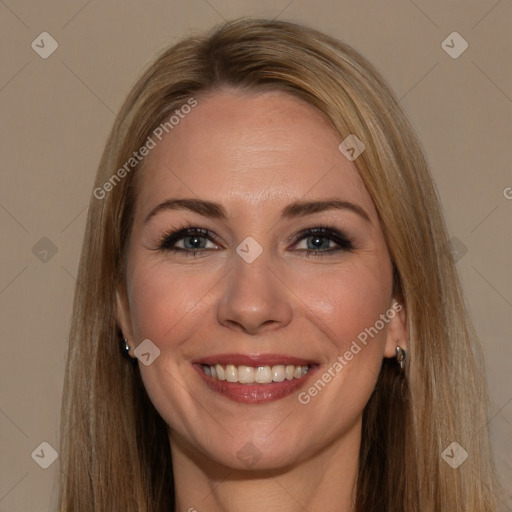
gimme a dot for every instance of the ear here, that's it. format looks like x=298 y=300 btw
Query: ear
x=398 y=333
x=123 y=316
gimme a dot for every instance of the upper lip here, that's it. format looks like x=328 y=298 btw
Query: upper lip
x=253 y=360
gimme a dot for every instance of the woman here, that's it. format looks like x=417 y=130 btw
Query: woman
x=265 y=242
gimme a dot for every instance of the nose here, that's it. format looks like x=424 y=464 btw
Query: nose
x=255 y=299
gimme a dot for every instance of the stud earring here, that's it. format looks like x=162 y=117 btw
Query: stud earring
x=125 y=351
x=125 y=348
x=400 y=355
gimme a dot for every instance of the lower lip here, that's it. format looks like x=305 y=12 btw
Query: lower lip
x=254 y=393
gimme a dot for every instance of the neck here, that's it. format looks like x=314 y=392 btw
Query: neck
x=327 y=478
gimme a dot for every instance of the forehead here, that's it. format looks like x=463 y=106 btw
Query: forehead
x=259 y=150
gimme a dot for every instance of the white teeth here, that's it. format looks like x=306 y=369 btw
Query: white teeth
x=246 y=374
x=231 y=373
x=278 y=373
x=220 y=372
x=250 y=375
x=263 y=374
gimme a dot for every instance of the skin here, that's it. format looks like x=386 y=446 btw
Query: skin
x=255 y=153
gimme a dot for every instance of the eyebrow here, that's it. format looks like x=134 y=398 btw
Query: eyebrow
x=295 y=209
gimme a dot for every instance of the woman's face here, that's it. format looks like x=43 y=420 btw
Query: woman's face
x=254 y=170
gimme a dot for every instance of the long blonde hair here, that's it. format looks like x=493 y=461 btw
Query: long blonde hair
x=115 y=454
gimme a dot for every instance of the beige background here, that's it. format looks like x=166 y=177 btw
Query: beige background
x=56 y=114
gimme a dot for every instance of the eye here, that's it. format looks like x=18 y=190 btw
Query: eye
x=192 y=239
x=318 y=241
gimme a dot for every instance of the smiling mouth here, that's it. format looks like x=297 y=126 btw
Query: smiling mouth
x=243 y=374
x=255 y=378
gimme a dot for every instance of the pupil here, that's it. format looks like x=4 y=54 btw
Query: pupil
x=315 y=241
x=194 y=241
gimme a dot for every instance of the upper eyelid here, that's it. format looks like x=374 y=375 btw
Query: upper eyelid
x=323 y=217
x=325 y=230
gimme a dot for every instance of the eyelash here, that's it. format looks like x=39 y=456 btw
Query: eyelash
x=168 y=239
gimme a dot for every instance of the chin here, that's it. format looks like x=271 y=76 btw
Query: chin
x=249 y=457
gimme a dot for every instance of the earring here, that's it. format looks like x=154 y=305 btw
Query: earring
x=125 y=351
x=400 y=356
x=125 y=348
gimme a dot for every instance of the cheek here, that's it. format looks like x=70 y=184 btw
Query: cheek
x=166 y=305
x=350 y=301
x=347 y=308
x=342 y=302
x=164 y=298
